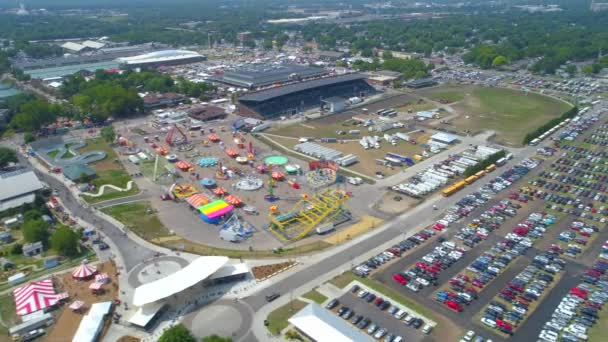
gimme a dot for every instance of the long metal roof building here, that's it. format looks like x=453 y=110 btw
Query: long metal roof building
x=255 y=76
x=268 y=94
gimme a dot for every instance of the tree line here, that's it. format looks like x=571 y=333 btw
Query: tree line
x=546 y=127
x=482 y=165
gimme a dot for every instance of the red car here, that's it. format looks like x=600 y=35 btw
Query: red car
x=477 y=283
x=398 y=278
x=378 y=301
x=453 y=305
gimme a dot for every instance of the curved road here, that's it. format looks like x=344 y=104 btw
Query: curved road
x=131 y=252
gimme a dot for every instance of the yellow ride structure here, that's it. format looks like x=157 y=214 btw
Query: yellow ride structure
x=306 y=214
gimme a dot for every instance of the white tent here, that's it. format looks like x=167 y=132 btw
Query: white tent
x=197 y=271
x=91 y=324
x=323 y=326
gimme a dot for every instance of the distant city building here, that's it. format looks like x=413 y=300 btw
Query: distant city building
x=264 y=75
x=18 y=188
x=161 y=58
x=243 y=36
x=599 y=6
x=206 y=113
x=330 y=56
x=383 y=77
x=421 y=83
x=152 y=101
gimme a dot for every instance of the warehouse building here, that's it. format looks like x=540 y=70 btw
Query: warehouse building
x=421 y=83
x=206 y=113
x=298 y=97
x=444 y=138
x=318 y=151
x=321 y=325
x=264 y=75
x=161 y=58
x=18 y=188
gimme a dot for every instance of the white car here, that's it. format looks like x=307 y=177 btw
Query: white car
x=488 y=322
x=469 y=335
x=423 y=281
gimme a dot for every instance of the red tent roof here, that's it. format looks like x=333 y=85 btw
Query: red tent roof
x=34 y=296
x=84 y=271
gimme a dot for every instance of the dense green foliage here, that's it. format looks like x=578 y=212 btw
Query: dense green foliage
x=7 y=156
x=35 y=230
x=65 y=241
x=216 y=338
x=544 y=128
x=471 y=170
x=410 y=68
x=177 y=333
x=34 y=114
x=108 y=134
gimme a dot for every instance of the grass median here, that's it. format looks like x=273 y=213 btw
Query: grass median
x=315 y=296
x=277 y=319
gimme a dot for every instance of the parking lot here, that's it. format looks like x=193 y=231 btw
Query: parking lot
x=530 y=266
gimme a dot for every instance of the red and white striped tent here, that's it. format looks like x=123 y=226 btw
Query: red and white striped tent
x=35 y=296
x=84 y=271
x=102 y=278
x=95 y=286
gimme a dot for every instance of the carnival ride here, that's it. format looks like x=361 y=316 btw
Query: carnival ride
x=239 y=230
x=249 y=184
x=207 y=161
x=306 y=214
x=182 y=190
x=175 y=136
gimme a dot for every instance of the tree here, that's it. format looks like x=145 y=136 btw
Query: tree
x=386 y=54
x=591 y=69
x=35 y=230
x=178 y=333
x=108 y=134
x=65 y=241
x=7 y=156
x=216 y=338
x=499 y=61
x=28 y=137
x=571 y=69
x=367 y=52
x=17 y=249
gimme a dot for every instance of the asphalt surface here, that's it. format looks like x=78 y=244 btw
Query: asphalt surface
x=132 y=253
x=382 y=318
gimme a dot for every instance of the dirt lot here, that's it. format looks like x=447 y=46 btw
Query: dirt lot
x=68 y=321
x=367 y=158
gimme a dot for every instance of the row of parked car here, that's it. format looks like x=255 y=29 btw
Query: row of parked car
x=365 y=268
x=373 y=328
x=579 y=310
x=425 y=272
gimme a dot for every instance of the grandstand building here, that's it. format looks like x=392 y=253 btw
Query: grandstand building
x=161 y=58
x=264 y=75
x=298 y=97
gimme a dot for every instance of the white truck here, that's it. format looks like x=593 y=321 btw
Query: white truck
x=324 y=228
x=354 y=180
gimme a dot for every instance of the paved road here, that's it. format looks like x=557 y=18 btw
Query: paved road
x=131 y=252
x=343 y=259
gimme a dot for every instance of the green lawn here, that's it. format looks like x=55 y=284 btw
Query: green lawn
x=445 y=94
x=110 y=194
x=53 y=153
x=109 y=171
x=277 y=320
x=512 y=114
x=139 y=217
x=315 y=296
x=344 y=279
x=7 y=312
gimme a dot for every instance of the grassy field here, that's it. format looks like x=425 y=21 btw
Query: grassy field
x=511 y=113
x=344 y=279
x=7 y=312
x=277 y=320
x=315 y=296
x=139 y=218
x=443 y=94
x=109 y=170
